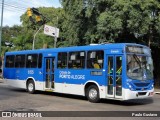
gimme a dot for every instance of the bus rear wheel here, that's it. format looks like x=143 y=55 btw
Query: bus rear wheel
x=93 y=94
x=30 y=86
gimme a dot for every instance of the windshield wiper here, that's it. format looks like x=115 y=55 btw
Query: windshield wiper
x=137 y=60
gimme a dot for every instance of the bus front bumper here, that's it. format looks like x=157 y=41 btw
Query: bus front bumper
x=138 y=94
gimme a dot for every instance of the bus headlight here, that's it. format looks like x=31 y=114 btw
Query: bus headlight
x=152 y=86
x=130 y=87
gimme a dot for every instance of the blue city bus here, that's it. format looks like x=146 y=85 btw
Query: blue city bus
x=120 y=71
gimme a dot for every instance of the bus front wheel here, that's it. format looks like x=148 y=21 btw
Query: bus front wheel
x=93 y=94
x=31 y=86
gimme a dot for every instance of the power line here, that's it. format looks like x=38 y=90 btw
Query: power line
x=21 y=1
x=12 y=6
x=15 y=2
x=13 y=10
x=21 y=5
x=17 y=5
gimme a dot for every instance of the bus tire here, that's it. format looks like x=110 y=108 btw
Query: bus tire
x=31 y=86
x=93 y=94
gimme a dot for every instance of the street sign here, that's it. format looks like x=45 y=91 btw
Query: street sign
x=52 y=31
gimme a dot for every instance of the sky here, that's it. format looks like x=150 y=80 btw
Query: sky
x=13 y=9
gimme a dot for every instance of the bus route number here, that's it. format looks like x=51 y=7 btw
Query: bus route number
x=30 y=72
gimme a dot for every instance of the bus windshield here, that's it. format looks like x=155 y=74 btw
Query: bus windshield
x=139 y=67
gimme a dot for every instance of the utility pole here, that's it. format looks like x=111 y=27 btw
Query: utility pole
x=1 y=25
x=55 y=38
x=35 y=37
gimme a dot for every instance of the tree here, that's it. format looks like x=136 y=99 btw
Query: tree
x=79 y=22
x=112 y=20
x=130 y=17
x=53 y=17
x=8 y=37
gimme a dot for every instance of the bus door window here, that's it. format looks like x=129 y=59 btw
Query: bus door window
x=53 y=65
x=118 y=75
x=115 y=76
x=52 y=74
x=48 y=65
x=110 y=75
x=47 y=73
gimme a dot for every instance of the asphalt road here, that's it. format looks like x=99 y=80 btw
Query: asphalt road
x=12 y=99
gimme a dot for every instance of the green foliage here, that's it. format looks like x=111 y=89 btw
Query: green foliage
x=21 y=37
x=112 y=21
x=10 y=34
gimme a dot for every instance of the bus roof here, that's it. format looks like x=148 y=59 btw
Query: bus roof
x=78 y=48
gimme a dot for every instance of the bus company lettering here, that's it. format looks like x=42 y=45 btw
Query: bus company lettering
x=68 y=75
x=114 y=51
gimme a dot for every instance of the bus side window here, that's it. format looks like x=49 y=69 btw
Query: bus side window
x=31 y=61
x=20 y=61
x=95 y=59
x=10 y=59
x=76 y=60
x=62 y=60
x=59 y=65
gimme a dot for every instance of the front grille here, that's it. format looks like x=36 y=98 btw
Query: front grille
x=142 y=89
x=141 y=84
x=142 y=93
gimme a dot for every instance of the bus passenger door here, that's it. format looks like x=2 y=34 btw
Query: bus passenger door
x=49 y=73
x=114 y=76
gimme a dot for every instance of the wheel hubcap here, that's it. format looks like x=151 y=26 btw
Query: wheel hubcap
x=93 y=93
x=30 y=87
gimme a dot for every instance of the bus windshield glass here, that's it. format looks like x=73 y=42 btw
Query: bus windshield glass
x=139 y=67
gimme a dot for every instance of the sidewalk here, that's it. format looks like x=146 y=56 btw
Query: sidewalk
x=1 y=80
x=157 y=91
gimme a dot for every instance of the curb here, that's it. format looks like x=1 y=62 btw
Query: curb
x=1 y=81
